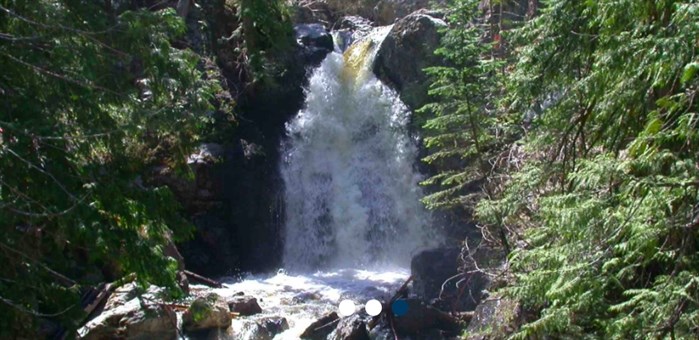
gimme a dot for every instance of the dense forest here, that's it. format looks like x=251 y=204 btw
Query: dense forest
x=580 y=123
x=567 y=133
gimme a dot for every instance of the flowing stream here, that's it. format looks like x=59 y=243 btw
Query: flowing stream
x=353 y=216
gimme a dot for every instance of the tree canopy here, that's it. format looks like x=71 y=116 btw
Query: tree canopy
x=599 y=189
x=89 y=98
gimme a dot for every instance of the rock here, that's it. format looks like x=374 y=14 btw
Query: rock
x=208 y=153
x=430 y=268
x=305 y=297
x=125 y=315
x=387 y=11
x=421 y=318
x=206 y=313
x=320 y=328
x=350 y=29
x=272 y=326
x=495 y=319
x=315 y=42
x=260 y=329
x=350 y=328
x=406 y=51
x=312 y=11
x=245 y=305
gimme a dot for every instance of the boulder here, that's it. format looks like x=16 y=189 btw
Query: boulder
x=408 y=49
x=464 y=285
x=495 y=318
x=126 y=315
x=430 y=268
x=320 y=328
x=206 y=313
x=350 y=328
x=421 y=318
x=315 y=42
x=245 y=305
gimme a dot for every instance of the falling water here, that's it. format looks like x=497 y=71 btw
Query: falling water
x=352 y=194
x=353 y=216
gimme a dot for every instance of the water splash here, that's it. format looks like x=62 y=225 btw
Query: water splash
x=352 y=195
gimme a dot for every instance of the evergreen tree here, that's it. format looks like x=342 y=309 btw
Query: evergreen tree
x=89 y=99
x=607 y=193
x=599 y=188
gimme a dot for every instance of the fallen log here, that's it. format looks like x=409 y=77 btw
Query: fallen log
x=203 y=280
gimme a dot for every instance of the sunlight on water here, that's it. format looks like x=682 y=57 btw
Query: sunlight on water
x=301 y=299
x=351 y=192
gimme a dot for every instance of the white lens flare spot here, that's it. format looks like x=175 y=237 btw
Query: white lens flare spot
x=373 y=307
x=346 y=308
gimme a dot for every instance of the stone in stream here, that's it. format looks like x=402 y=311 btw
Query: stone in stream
x=320 y=328
x=262 y=329
x=206 y=313
x=350 y=328
x=245 y=305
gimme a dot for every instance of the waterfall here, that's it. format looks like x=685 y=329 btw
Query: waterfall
x=351 y=191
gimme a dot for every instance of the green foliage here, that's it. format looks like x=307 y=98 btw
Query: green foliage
x=88 y=101
x=461 y=131
x=601 y=193
x=266 y=31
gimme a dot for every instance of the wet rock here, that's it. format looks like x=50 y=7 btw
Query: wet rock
x=305 y=297
x=245 y=305
x=406 y=51
x=350 y=328
x=320 y=328
x=125 y=315
x=350 y=29
x=206 y=313
x=273 y=325
x=315 y=42
x=495 y=319
x=421 y=318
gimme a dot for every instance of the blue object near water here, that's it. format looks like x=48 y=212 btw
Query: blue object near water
x=399 y=307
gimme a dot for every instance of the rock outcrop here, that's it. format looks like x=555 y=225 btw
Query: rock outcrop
x=128 y=315
x=406 y=51
x=495 y=318
x=206 y=313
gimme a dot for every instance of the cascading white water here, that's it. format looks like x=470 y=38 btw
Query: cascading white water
x=353 y=216
x=352 y=195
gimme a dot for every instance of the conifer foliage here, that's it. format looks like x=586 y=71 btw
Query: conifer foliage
x=90 y=96
x=602 y=202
